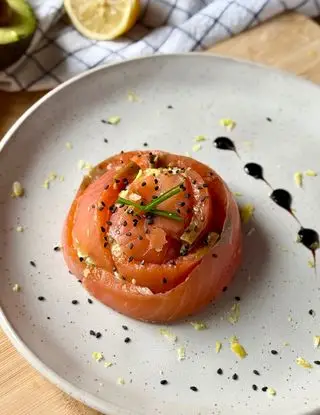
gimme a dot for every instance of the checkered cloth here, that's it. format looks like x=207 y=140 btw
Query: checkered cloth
x=59 y=52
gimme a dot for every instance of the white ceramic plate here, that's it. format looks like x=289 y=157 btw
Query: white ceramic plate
x=276 y=286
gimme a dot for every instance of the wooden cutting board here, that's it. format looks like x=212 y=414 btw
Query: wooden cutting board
x=290 y=42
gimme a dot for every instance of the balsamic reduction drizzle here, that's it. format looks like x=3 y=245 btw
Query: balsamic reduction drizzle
x=256 y=171
x=283 y=199
x=307 y=237
x=224 y=143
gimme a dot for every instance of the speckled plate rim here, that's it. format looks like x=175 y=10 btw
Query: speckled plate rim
x=74 y=391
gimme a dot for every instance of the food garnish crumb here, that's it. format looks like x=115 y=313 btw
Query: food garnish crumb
x=51 y=177
x=311 y=263
x=198 y=325
x=303 y=363
x=199 y=138
x=298 y=178
x=107 y=364
x=316 y=341
x=132 y=97
x=84 y=165
x=181 y=353
x=19 y=228
x=17 y=190
x=271 y=392
x=120 y=381
x=228 y=123
x=196 y=147
x=246 y=212
x=234 y=313
x=16 y=288
x=69 y=145
x=61 y=178
x=237 y=194
x=237 y=348
x=168 y=335
x=218 y=346
x=114 y=120
x=310 y=173
x=97 y=356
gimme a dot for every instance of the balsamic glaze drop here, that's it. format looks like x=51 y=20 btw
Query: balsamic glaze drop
x=309 y=238
x=256 y=171
x=283 y=199
x=224 y=143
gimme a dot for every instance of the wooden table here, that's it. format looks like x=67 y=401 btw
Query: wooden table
x=290 y=42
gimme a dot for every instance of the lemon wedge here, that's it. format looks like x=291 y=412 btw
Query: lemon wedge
x=102 y=19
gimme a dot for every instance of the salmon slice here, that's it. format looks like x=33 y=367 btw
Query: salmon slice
x=147 y=266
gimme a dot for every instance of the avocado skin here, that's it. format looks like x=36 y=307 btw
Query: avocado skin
x=11 y=51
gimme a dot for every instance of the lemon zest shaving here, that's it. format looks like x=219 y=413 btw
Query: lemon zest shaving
x=303 y=363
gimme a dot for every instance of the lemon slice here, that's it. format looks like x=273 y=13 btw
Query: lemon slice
x=102 y=19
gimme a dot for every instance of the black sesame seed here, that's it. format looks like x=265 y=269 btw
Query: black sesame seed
x=57 y=248
x=170 y=107
x=125 y=327
x=102 y=229
x=220 y=371
x=143 y=184
x=33 y=263
x=92 y=333
x=109 y=223
x=105 y=140
x=182 y=187
x=256 y=372
x=125 y=223
x=128 y=234
x=156 y=188
x=48 y=318
x=194 y=388
x=117 y=180
x=181 y=204
x=130 y=245
x=104 y=121
x=150 y=221
x=154 y=197
x=204 y=185
x=163 y=382
x=142 y=262
x=127 y=340
x=224 y=289
x=178 y=210
x=237 y=298
x=255 y=387
x=145 y=144
x=140 y=237
x=90 y=301
x=41 y=298
x=317 y=362
x=264 y=389
x=98 y=335
x=156 y=181
x=164 y=280
x=130 y=259
x=74 y=302
x=269 y=119
x=81 y=259
x=216 y=256
x=187 y=195
x=235 y=376
x=312 y=313
x=105 y=244
x=274 y=352
x=106 y=187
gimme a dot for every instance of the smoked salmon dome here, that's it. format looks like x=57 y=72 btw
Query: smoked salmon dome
x=153 y=235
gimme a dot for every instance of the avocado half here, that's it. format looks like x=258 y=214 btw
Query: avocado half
x=17 y=26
